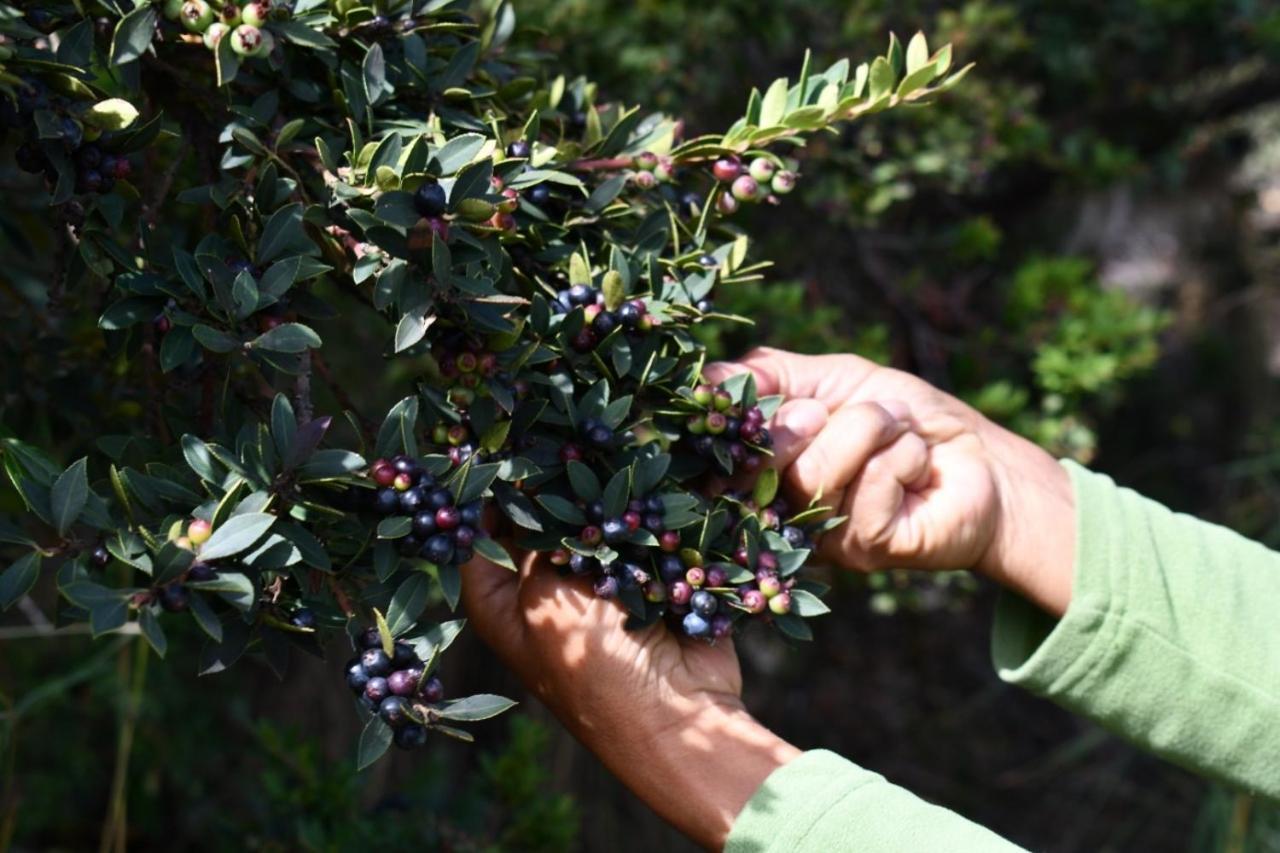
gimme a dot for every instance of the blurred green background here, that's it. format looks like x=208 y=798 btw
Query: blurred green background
x=1083 y=240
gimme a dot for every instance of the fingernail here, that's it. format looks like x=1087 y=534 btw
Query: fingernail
x=804 y=421
x=900 y=410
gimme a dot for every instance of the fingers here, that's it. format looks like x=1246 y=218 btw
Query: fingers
x=835 y=457
x=490 y=596
x=793 y=375
x=874 y=503
x=795 y=425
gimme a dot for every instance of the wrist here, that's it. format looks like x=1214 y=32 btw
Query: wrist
x=1033 y=547
x=698 y=765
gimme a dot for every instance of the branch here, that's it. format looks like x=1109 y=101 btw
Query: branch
x=302 y=389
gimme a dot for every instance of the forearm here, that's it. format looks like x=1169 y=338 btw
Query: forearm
x=697 y=768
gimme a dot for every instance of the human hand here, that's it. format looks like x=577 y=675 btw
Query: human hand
x=664 y=713
x=925 y=481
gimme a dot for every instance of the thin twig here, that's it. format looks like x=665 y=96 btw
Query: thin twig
x=302 y=389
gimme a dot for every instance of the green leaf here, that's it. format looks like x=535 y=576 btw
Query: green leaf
x=774 y=105
x=226 y=62
x=482 y=706
x=917 y=53
x=206 y=618
x=199 y=459
x=68 y=496
x=287 y=337
x=493 y=551
x=133 y=34
x=214 y=340
x=284 y=426
x=111 y=114
x=407 y=603
x=616 y=493
x=151 y=629
x=373 y=72
x=584 y=481
x=806 y=604
x=374 y=741
x=450 y=584
x=793 y=626
x=396 y=435
x=615 y=292
x=562 y=509
x=284 y=233
x=413 y=327
x=395 y=527
x=766 y=488
x=881 y=79
x=459 y=151
x=236 y=534
x=17 y=580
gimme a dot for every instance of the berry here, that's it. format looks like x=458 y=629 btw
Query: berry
x=745 y=188
x=403 y=655
x=539 y=194
x=519 y=148
x=196 y=15
x=560 y=557
x=614 y=529
x=438 y=550
x=394 y=710
x=762 y=169
x=721 y=625
x=580 y=294
x=704 y=395
x=581 y=564
x=591 y=535
x=383 y=472
x=255 y=13
x=433 y=689
x=716 y=577
x=706 y=306
x=604 y=323
x=794 y=535
x=404 y=682
x=629 y=315
x=584 y=340
x=570 y=452
x=370 y=639
x=754 y=601
x=716 y=423
x=606 y=587
x=100 y=556
x=767 y=561
x=303 y=618
x=411 y=501
x=246 y=40
x=727 y=204
x=669 y=541
x=357 y=678
x=429 y=200
x=726 y=169
x=464 y=537
x=703 y=603
x=424 y=524
x=645 y=180
x=387 y=501
x=412 y=736
x=654 y=523
x=680 y=592
x=402 y=482
x=722 y=400
x=695 y=576
x=199 y=531
x=646 y=161
x=780 y=603
x=632 y=520
x=783 y=182
x=601 y=436
x=376 y=690
x=439 y=499
x=696 y=626
x=376 y=662
x=174 y=597
x=770 y=586
x=448 y=518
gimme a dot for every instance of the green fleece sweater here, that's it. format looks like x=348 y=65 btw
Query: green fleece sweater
x=1172 y=641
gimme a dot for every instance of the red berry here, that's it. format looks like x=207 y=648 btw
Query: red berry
x=754 y=601
x=591 y=535
x=632 y=520
x=570 y=453
x=402 y=482
x=767 y=561
x=448 y=517
x=384 y=474
x=669 y=541
x=560 y=557
x=727 y=168
x=741 y=557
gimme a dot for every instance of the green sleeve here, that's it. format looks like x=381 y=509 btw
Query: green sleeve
x=1172 y=638
x=821 y=802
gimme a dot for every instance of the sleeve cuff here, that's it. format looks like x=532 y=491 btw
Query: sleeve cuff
x=1047 y=657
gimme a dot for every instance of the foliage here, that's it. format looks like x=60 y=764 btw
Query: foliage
x=232 y=188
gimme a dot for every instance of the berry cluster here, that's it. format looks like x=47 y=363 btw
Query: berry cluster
x=727 y=433
x=599 y=321
x=394 y=686
x=96 y=169
x=627 y=569
x=244 y=24
x=594 y=434
x=651 y=169
x=762 y=180
x=441 y=531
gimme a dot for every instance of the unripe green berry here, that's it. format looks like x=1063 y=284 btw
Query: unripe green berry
x=646 y=161
x=216 y=32
x=716 y=423
x=783 y=182
x=173 y=9
x=246 y=40
x=762 y=169
x=255 y=14
x=228 y=13
x=196 y=15
x=723 y=400
x=745 y=188
x=780 y=603
x=770 y=586
x=697 y=425
x=199 y=531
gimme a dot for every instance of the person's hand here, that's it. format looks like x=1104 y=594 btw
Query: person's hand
x=663 y=713
x=925 y=481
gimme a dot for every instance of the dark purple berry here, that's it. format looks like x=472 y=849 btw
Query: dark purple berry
x=433 y=689
x=580 y=294
x=595 y=511
x=653 y=503
x=464 y=536
x=580 y=564
x=304 y=618
x=394 y=711
x=439 y=499
x=357 y=678
x=412 y=501
x=607 y=587
x=387 y=501
x=376 y=662
x=794 y=535
x=671 y=568
x=174 y=597
x=471 y=514
x=404 y=682
x=201 y=571
x=539 y=194
x=654 y=523
x=438 y=550
x=424 y=524
x=412 y=736
x=604 y=323
x=696 y=626
x=628 y=315
x=403 y=655
x=721 y=626
x=703 y=603
x=520 y=148
x=100 y=556
x=429 y=200
x=614 y=529
x=448 y=517
x=601 y=436
x=377 y=690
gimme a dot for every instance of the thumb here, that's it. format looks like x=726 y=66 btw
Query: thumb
x=490 y=598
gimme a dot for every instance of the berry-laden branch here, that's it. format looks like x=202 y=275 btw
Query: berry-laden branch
x=536 y=263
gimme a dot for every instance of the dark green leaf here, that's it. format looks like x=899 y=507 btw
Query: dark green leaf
x=17 y=580
x=374 y=741
x=807 y=604
x=407 y=603
x=482 y=706
x=68 y=496
x=493 y=551
x=133 y=34
x=152 y=631
x=287 y=337
x=395 y=527
x=236 y=535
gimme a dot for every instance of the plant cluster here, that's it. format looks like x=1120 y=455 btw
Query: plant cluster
x=540 y=259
